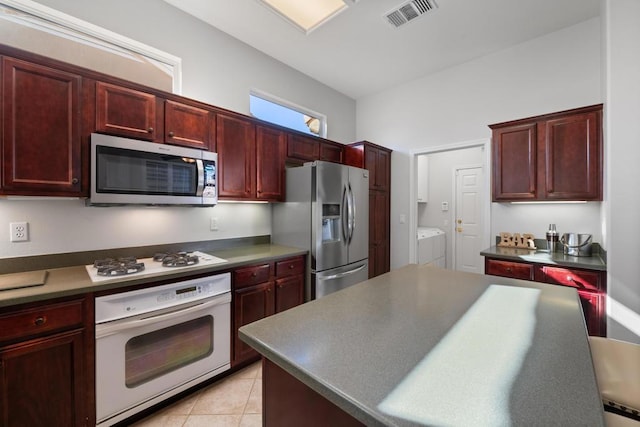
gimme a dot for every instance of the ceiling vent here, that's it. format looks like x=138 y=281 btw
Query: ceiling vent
x=409 y=11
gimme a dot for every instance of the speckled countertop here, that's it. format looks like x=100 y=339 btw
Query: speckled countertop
x=75 y=280
x=426 y=346
x=594 y=262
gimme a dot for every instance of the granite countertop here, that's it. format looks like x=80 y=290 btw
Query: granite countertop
x=594 y=262
x=75 y=280
x=426 y=346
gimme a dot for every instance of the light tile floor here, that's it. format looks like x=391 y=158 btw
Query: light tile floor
x=235 y=401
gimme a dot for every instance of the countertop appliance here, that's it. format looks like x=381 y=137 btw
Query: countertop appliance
x=327 y=213
x=128 y=171
x=431 y=246
x=106 y=269
x=156 y=342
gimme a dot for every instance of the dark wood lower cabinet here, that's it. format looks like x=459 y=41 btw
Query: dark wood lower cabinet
x=46 y=366
x=590 y=284
x=42 y=382
x=260 y=291
x=288 y=402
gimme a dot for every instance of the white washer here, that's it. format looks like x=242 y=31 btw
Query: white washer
x=431 y=246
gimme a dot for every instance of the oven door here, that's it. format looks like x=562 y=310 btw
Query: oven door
x=144 y=359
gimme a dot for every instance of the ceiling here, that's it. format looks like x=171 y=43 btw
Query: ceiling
x=358 y=53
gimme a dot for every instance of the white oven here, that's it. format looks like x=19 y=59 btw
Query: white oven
x=156 y=342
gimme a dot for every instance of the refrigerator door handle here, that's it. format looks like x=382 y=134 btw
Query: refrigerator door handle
x=352 y=214
x=344 y=215
x=339 y=275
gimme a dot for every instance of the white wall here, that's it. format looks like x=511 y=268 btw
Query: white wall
x=217 y=69
x=558 y=71
x=622 y=141
x=60 y=226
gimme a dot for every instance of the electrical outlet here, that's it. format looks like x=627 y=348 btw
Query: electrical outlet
x=213 y=226
x=19 y=231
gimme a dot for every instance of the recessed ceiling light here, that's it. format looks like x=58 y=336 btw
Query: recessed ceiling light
x=309 y=14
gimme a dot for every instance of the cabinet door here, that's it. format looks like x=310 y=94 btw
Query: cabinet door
x=515 y=162
x=378 y=162
x=43 y=382
x=270 y=157
x=289 y=292
x=516 y=270
x=249 y=304
x=587 y=280
x=593 y=307
x=378 y=233
x=41 y=146
x=235 y=141
x=331 y=152
x=573 y=158
x=125 y=112
x=303 y=148
x=188 y=126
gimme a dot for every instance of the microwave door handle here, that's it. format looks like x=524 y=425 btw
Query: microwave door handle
x=200 y=182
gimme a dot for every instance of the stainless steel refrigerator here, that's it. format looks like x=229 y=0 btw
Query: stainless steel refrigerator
x=326 y=212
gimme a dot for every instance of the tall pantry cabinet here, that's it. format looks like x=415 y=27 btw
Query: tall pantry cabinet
x=377 y=160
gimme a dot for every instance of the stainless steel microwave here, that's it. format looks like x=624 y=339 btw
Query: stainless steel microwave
x=127 y=171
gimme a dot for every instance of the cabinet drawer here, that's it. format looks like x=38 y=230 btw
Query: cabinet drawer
x=290 y=267
x=24 y=323
x=515 y=270
x=251 y=275
x=581 y=279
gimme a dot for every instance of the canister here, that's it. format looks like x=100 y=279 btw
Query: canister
x=576 y=244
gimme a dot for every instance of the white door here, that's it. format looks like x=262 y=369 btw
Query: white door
x=468 y=225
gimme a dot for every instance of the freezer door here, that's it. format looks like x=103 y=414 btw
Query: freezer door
x=329 y=222
x=329 y=281
x=358 y=189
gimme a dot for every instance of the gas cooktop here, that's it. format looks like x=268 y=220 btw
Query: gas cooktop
x=111 y=268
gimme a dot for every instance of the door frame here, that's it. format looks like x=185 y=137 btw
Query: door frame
x=485 y=143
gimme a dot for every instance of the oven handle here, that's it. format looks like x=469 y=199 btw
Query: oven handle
x=106 y=329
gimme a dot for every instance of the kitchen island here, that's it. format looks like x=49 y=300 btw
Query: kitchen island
x=426 y=346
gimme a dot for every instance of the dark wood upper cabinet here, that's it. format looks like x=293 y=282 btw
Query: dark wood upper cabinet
x=189 y=126
x=302 y=148
x=331 y=152
x=41 y=132
x=552 y=157
x=126 y=112
x=270 y=158
x=515 y=160
x=235 y=142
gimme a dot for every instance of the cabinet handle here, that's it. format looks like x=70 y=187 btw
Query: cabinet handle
x=40 y=321
x=253 y=274
x=150 y=130
x=509 y=270
x=171 y=134
x=291 y=267
x=75 y=180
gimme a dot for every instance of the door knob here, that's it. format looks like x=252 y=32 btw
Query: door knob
x=459 y=221
x=459 y=229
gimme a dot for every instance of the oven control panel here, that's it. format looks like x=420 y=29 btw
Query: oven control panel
x=185 y=293
x=127 y=304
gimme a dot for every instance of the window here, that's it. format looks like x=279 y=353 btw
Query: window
x=271 y=109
